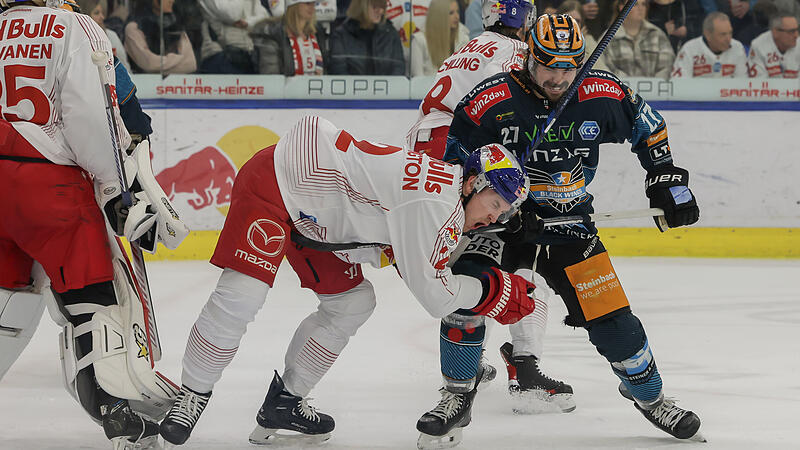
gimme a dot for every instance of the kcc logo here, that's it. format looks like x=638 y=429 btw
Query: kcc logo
x=589 y=130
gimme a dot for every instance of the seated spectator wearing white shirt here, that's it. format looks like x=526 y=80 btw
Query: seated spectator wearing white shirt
x=775 y=53
x=227 y=45
x=443 y=35
x=715 y=54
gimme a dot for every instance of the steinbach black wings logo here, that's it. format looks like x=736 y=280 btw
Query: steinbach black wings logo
x=561 y=191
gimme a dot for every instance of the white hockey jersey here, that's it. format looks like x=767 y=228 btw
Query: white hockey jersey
x=50 y=90
x=696 y=60
x=766 y=61
x=339 y=189
x=488 y=54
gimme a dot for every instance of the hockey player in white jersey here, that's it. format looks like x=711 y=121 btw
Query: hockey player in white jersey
x=58 y=178
x=328 y=186
x=775 y=53
x=498 y=49
x=715 y=54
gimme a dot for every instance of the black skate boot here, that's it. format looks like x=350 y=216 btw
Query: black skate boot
x=128 y=430
x=283 y=411
x=669 y=417
x=442 y=426
x=533 y=392
x=182 y=417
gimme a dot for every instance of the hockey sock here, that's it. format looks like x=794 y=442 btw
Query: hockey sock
x=214 y=338
x=527 y=335
x=640 y=376
x=323 y=335
x=460 y=343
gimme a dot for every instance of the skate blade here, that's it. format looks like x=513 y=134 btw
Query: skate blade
x=148 y=443
x=449 y=440
x=271 y=436
x=541 y=402
x=698 y=437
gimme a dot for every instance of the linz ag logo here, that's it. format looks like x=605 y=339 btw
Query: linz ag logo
x=589 y=130
x=485 y=100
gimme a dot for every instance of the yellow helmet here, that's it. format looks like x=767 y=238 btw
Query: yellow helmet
x=556 y=41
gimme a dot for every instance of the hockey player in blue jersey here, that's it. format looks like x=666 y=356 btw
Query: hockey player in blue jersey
x=511 y=108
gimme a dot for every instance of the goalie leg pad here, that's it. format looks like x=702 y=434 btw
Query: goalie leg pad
x=460 y=343
x=20 y=312
x=105 y=333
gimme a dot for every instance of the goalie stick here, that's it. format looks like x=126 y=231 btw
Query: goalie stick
x=136 y=263
x=299 y=239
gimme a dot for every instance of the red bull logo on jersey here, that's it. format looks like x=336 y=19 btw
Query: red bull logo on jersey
x=478 y=106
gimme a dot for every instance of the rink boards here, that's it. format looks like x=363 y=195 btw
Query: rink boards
x=741 y=165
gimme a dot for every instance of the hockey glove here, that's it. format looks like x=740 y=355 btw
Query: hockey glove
x=522 y=227
x=508 y=299
x=667 y=187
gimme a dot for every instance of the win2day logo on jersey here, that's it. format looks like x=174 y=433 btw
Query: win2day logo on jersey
x=478 y=106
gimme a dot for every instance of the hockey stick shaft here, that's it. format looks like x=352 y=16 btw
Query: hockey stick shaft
x=138 y=269
x=299 y=239
x=573 y=88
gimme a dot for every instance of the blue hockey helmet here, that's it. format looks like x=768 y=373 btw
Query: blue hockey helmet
x=511 y=13
x=497 y=168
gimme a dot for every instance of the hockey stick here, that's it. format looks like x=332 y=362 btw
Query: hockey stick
x=138 y=270
x=573 y=88
x=299 y=239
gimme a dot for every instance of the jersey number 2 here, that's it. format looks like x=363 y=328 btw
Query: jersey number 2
x=14 y=95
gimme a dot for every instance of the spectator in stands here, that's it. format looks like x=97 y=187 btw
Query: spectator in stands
x=670 y=16
x=473 y=18
x=574 y=9
x=366 y=43
x=639 y=49
x=791 y=7
x=96 y=9
x=597 y=16
x=775 y=54
x=291 y=45
x=762 y=12
x=227 y=45
x=143 y=40
x=443 y=35
x=714 y=55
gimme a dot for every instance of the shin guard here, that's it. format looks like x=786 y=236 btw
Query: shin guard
x=460 y=343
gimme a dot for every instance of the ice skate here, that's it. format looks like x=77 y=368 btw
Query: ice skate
x=182 y=417
x=128 y=430
x=282 y=411
x=533 y=392
x=488 y=371
x=442 y=426
x=669 y=417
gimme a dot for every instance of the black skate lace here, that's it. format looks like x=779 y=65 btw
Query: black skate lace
x=187 y=408
x=448 y=405
x=308 y=411
x=667 y=413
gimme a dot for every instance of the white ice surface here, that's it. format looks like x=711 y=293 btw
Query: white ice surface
x=725 y=334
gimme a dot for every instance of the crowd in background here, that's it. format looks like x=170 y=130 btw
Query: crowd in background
x=659 y=38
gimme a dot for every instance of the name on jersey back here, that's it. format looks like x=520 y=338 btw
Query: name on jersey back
x=16 y=28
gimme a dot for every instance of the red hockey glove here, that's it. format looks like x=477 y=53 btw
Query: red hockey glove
x=509 y=298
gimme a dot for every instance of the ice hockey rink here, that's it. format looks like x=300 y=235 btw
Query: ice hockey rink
x=725 y=334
